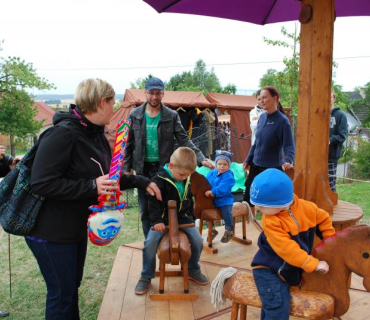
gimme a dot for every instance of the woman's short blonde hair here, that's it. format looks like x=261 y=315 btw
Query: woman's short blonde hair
x=184 y=158
x=90 y=92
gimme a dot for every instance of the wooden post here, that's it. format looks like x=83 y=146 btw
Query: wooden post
x=312 y=142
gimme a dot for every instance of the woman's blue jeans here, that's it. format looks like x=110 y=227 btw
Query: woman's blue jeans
x=274 y=294
x=62 y=268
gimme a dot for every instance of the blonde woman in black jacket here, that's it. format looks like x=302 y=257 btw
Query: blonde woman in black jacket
x=67 y=171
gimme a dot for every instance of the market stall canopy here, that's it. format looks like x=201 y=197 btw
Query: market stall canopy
x=258 y=12
x=232 y=101
x=172 y=99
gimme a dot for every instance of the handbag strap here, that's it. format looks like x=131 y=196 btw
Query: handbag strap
x=28 y=159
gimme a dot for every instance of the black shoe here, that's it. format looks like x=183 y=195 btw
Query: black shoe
x=197 y=276
x=142 y=286
x=4 y=314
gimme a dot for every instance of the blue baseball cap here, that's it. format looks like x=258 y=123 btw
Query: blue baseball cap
x=272 y=188
x=154 y=84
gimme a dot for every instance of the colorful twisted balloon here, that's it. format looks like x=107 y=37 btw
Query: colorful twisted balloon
x=106 y=220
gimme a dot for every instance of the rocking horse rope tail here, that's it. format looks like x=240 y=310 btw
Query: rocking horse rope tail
x=217 y=297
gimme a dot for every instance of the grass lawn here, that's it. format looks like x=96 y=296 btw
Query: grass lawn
x=357 y=193
x=28 y=287
x=28 y=296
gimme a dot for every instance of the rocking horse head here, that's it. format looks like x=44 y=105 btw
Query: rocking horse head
x=199 y=185
x=345 y=252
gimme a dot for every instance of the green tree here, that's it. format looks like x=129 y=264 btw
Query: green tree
x=287 y=80
x=200 y=79
x=16 y=104
x=16 y=116
x=139 y=83
x=361 y=166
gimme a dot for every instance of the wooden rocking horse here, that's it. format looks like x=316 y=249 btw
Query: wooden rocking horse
x=174 y=249
x=206 y=211
x=322 y=296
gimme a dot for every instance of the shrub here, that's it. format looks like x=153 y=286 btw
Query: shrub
x=361 y=167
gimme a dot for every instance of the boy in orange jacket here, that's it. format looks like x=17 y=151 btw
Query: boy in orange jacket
x=285 y=245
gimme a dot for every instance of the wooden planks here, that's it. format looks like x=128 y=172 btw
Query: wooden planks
x=121 y=303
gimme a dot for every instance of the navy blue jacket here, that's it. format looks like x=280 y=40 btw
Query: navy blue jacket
x=338 y=134
x=274 y=143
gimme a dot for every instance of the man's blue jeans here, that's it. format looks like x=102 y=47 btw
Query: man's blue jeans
x=62 y=268
x=274 y=294
x=151 y=245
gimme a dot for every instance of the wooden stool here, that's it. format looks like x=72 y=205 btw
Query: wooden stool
x=174 y=249
x=242 y=290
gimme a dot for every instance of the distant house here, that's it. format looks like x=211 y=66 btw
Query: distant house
x=44 y=113
x=360 y=111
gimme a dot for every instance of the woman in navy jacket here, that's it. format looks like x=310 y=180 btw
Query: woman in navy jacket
x=274 y=144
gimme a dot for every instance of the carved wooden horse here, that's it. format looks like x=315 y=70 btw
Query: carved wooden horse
x=174 y=249
x=205 y=210
x=322 y=296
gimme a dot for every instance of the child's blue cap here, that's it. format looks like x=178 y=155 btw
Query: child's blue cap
x=272 y=188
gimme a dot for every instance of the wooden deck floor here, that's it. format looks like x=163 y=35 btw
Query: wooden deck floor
x=121 y=303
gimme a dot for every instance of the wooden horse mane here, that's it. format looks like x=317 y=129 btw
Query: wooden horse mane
x=347 y=251
x=199 y=185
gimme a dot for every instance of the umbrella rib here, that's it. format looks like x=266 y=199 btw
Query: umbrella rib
x=170 y=5
x=268 y=15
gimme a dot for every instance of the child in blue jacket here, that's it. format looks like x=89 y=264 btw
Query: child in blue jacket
x=222 y=180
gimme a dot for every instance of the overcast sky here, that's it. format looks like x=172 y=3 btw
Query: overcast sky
x=122 y=40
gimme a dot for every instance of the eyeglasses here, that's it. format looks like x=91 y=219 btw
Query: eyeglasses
x=157 y=94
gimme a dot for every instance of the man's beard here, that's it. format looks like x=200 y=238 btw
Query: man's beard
x=156 y=106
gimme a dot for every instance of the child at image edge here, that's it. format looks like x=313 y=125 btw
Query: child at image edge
x=289 y=225
x=222 y=180
x=174 y=182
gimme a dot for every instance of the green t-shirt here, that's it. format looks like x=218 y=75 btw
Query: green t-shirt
x=151 y=150
x=180 y=185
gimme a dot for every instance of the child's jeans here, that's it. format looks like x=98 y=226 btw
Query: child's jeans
x=227 y=216
x=151 y=245
x=274 y=294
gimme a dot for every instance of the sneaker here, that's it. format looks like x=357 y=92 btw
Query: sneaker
x=142 y=286
x=197 y=276
x=227 y=236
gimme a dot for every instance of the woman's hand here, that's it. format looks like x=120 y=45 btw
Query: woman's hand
x=153 y=190
x=106 y=186
x=286 y=166
x=208 y=164
x=209 y=193
x=246 y=166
